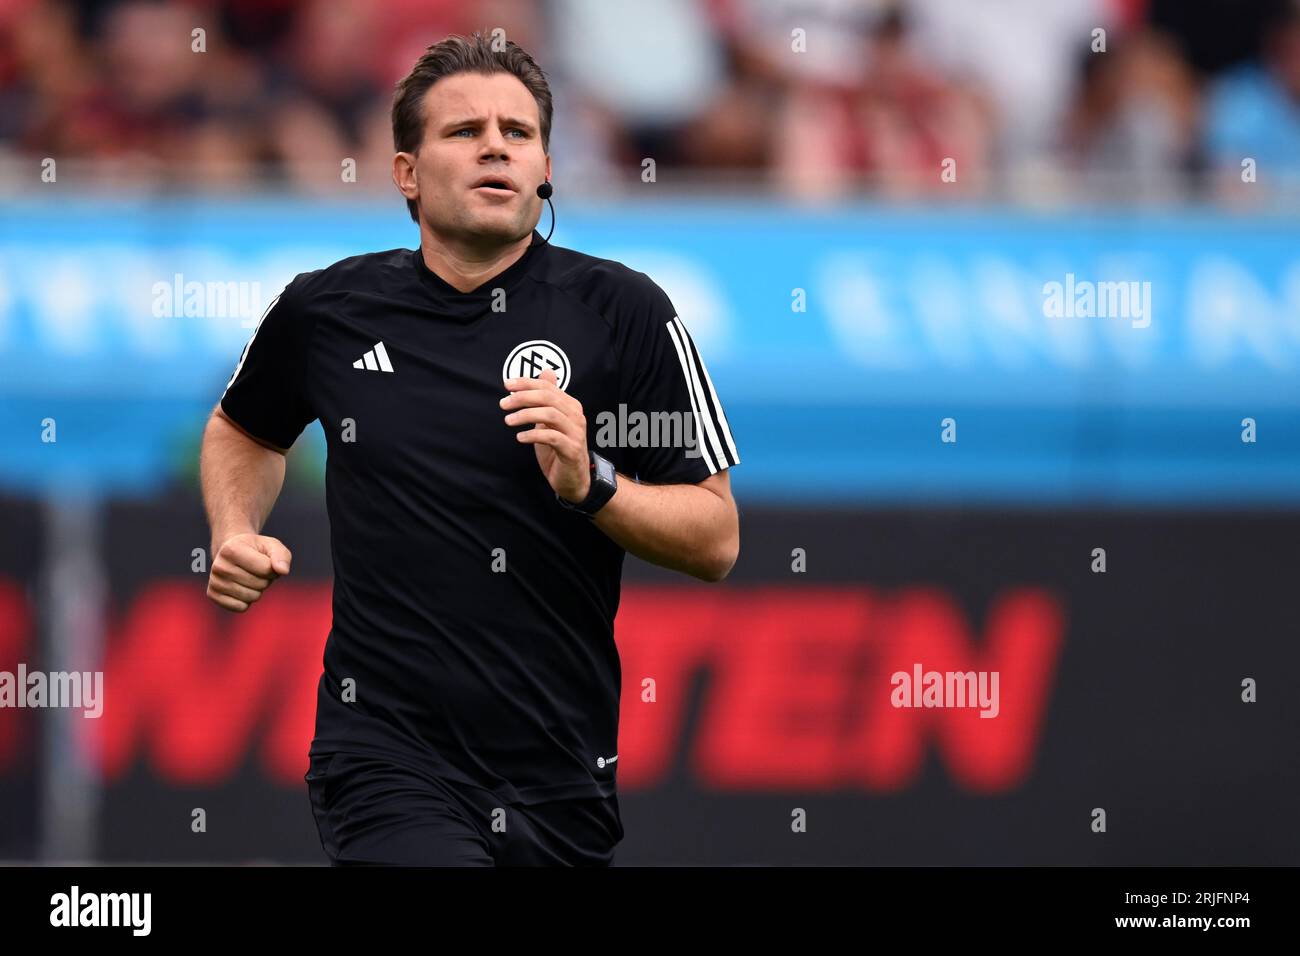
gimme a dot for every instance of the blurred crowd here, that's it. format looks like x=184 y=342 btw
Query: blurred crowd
x=1099 y=100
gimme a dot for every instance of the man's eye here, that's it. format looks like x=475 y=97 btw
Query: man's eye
x=519 y=131
x=459 y=131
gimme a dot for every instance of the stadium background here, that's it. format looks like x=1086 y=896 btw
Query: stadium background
x=848 y=299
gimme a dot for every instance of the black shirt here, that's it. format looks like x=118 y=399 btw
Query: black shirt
x=473 y=614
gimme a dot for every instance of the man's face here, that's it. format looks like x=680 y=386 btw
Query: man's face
x=480 y=128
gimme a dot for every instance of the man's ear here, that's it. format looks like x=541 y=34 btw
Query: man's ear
x=404 y=177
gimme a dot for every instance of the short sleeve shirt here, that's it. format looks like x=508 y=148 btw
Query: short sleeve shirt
x=473 y=615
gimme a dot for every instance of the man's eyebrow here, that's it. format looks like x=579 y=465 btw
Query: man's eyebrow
x=478 y=121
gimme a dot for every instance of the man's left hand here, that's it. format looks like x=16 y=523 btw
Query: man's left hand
x=559 y=432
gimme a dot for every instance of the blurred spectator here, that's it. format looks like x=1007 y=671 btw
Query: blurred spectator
x=651 y=70
x=1253 y=113
x=1024 y=53
x=914 y=120
x=329 y=88
x=42 y=74
x=1132 y=133
x=882 y=93
x=860 y=109
x=809 y=58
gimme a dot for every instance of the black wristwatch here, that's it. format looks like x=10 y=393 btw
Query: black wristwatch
x=604 y=482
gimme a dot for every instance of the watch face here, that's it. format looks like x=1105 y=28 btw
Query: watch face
x=605 y=469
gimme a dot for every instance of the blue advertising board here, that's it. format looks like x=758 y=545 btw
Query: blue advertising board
x=863 y=354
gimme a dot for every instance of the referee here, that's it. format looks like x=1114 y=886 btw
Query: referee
x=467 y=713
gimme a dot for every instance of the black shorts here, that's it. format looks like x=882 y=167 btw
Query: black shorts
x=370 y=810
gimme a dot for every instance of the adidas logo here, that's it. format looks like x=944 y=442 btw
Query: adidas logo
x=375 y=360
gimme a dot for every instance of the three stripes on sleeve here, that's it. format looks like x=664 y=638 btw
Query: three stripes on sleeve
x=717 y=447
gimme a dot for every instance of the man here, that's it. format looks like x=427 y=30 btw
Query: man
x=468 y=709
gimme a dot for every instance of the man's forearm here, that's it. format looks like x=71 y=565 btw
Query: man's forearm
x=687 y=528
x=240 y=478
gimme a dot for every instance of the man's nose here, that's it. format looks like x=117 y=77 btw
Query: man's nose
x=494 y=142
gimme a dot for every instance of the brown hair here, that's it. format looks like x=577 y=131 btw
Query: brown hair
x=458 y=54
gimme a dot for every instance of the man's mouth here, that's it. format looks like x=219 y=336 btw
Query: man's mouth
x=497 y=185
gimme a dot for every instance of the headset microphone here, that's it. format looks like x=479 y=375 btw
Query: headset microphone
x=544 y=192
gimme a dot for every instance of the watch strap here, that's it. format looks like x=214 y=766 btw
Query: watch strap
x=598 y=494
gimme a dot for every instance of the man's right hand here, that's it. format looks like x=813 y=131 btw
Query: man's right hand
x=243 y=567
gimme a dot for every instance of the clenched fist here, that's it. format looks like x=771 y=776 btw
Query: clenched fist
x=243 y=567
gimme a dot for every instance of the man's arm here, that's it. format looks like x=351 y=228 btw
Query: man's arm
x=694 y=529
x=241 y=478
x=690 y=528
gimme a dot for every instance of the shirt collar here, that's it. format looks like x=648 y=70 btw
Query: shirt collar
x=447 y=298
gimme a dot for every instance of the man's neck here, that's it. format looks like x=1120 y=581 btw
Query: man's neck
x=465 y=268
